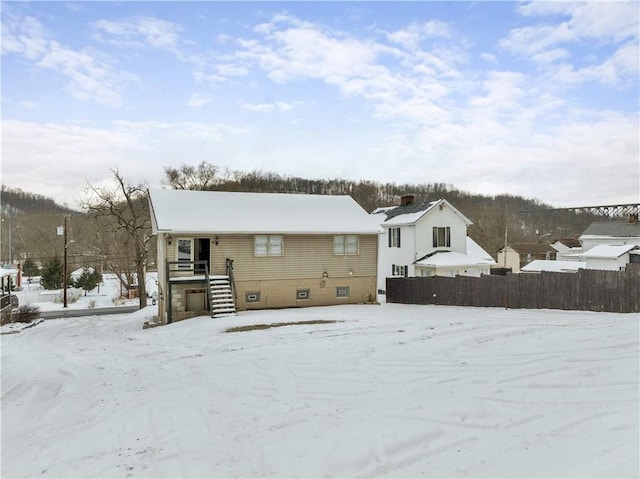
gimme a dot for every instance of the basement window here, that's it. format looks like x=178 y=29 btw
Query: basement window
x=252 y=297
x=342 y=292
x=302 y=294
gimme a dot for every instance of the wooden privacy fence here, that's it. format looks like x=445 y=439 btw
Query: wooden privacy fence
x=586 y=290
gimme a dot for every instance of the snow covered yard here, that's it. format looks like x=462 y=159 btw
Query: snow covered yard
x=386 y=391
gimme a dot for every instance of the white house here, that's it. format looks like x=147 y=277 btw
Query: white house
x=609 y=257
x=427 y=239
x=614 y=233
x=568 y=249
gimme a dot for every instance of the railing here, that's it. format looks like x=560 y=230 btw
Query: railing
x=191 y=267
x=232 y=280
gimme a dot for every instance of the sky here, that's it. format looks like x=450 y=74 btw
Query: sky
x=535 y=99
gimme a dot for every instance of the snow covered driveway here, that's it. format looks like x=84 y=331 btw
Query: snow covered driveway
x=387 y=391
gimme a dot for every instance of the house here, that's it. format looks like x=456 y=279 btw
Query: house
x=516 y=255
x=427 y=239
x=614 y=233
x=610 y=257
x=567 y=249
x=223 y=251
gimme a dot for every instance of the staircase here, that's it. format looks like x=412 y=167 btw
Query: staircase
x=221 y=297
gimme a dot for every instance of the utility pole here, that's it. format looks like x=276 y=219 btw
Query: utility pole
x=64 y=278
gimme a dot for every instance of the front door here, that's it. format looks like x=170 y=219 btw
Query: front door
x=203 y=252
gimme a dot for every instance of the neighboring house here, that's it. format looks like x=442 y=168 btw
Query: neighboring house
x=516 y=255
x=614 y=233
x=556 y=266
x=609 y=257
x=223 y=251
x=568 y=249
x=427 y=239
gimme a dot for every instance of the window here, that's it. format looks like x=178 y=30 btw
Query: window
x=342 y=292
x=184 y=253
x=441 y=236
x=252 y=297
x=398 y=270
x=394 y=237
x=268 y=245
x=345 y=244
x=302 y=294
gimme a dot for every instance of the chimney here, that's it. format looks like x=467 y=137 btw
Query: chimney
x=406 y=200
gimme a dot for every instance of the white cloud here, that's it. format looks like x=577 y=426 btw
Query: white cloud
x=139 y=31
x=269 y=107
x=89 y=78
x=607 y=21
x=198 y=100
x=615 y=24
x=292 y=49
x=413 y=35
x=64 y=157
x=489 y=57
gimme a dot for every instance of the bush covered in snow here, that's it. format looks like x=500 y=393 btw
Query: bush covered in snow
x=25 y=313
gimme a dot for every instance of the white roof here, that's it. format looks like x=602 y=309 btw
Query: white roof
x=8 y=272
x=475 y=250
x=453 y=258
x=608 y=251
x=185 y=211
x=553 y=266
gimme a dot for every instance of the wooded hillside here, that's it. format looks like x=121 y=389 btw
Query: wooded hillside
x=491 y=215
x=29 y=220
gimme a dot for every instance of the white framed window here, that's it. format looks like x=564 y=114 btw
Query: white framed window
x=345 y=244
x=441 y=236
x=268 y=245
x=399 y=270
x=184 y=252
x=394 y=237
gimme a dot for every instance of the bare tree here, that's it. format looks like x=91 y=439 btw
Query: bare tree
x=124 y=212
x=188 y=177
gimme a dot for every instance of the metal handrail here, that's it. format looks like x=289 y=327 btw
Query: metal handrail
x=232 y=280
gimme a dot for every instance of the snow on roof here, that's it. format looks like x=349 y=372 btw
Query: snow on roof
x=475 y=250
x=188 y=211
x=411 y=213
x=538 y=265
x=608 y=251
x=8 y=272
x=453 y=258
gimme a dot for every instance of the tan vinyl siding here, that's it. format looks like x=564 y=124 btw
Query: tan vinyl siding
x=307 y=263
x=305 y=256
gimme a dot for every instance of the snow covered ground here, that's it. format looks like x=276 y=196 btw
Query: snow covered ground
x=386 y=391
x=101 y=297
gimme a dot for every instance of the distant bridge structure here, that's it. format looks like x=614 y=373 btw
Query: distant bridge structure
x=612 y=211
